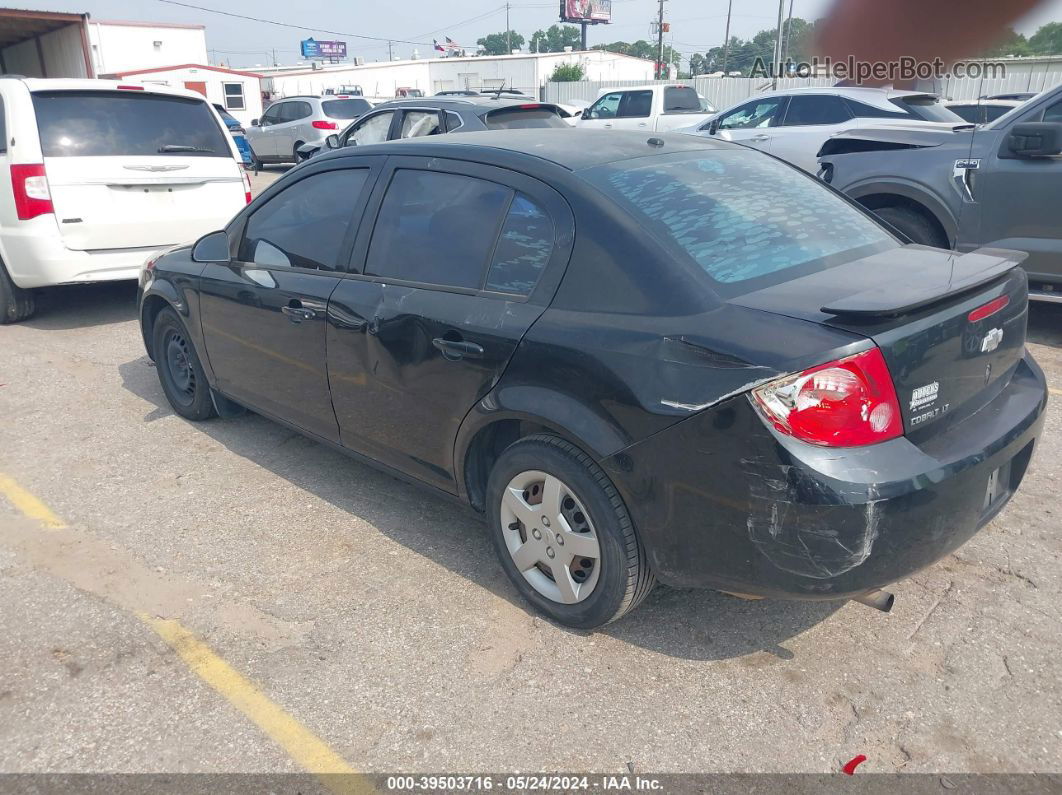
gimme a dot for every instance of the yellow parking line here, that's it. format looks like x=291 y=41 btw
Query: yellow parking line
x=28 y=505
x=307 y=749
x=302 y=745
x=1054 y=391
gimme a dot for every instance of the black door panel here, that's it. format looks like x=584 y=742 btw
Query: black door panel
x=264 y=332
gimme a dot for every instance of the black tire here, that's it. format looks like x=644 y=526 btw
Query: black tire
x=624 y=578
x=914 y=225
x=16 y=303
x=256 y=164
x=180 y=371
x=295 y=152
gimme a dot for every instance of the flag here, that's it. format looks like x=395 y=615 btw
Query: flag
x=438 y=46
x=451 y=44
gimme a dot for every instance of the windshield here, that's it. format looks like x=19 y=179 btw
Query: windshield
x=927 y=107
x=745 y=220
x=345 y=108
x=113 y=123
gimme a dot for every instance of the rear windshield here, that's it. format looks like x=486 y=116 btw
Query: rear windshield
x=345 y=108
x=95 y=123
x=926 y=107
x=681 y=99
x=518 y=118
x=745 y=220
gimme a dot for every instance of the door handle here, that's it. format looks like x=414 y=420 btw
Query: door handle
x=609 y=126
x=642 y=124
x=760 y=138
x=458 y=349
x=296 y=312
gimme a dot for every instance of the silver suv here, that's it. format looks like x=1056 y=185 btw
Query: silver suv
x=291 y=122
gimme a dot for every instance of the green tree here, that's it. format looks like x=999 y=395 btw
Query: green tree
x=640 y=49
x=698 y=65
x=1047 y=40
x=556 y=38
x=498 y=44
x=799 y=33
x=568 y=73
x=1010 y=43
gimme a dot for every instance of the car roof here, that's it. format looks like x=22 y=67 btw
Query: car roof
x=855 y=92
x=476 y=104
x=571 y=148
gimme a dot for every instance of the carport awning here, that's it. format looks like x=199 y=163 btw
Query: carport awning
x=17 y=25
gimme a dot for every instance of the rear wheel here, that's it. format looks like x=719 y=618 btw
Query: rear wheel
x=295 y=157
x=563 y=534
x=914 y=224
x=16 y=303
x=180 y=371
x=256 y=164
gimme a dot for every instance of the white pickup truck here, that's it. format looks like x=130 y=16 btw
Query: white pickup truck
x=657 y=107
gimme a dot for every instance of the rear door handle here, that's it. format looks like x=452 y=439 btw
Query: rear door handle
x=458 y=349
x=296 y=312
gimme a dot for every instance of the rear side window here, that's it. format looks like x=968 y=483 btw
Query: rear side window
x=862 y=110
x=126 y=123
x=437 y=228
x=523 y=249
x=745 y=220
x=635 y=105
x=345 y=108
x=304 y=225
x=813 y=110
x=681 y=99
x=518 y=117
x=926 y=107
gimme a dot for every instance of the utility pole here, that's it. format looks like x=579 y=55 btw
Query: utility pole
x=788 y=32
x=778 y=44
x=726 y=45
x=660 y=41
x=389 y=56
x=508 y=33
x=274 y=56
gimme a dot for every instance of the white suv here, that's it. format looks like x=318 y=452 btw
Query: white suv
x=97 y=176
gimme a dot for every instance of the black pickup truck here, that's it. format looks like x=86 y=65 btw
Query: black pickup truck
x=997 y=185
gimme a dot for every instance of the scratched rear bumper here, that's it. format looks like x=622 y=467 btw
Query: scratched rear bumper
x=721 y=501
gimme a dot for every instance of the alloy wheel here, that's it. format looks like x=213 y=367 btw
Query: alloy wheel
x=550 y=537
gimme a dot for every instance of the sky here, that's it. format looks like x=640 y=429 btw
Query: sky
x=696 y=25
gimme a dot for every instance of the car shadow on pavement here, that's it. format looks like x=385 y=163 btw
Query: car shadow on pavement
x=84 y=305
x=1045 y=324
x=693 y=624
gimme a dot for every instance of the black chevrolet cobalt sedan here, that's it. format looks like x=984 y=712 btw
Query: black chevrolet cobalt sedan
x=639 y=358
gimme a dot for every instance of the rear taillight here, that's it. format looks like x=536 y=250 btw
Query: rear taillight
x=847 y=403
x=29 y=184
x=246 y=187
x=324 y=125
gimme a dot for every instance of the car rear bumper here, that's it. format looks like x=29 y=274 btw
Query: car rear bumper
x=721 y=501
x=41 y=260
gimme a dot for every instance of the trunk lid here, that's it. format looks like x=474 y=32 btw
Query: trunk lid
x=951 y=328
x=133 y=169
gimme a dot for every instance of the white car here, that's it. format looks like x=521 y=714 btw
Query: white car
x=795 y=123
x=97 y=176
x=657 y=107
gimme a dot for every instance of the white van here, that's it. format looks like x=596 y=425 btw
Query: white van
x=96 y=176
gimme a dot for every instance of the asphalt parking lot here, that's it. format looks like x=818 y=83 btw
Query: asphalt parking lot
x=229 y=596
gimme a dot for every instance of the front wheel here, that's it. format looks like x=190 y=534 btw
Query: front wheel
x=563 y=534
x=180 y=372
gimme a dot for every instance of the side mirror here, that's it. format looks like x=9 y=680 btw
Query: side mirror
x=254 y=122
x=1033 y=139
x=211 y=248
x=713 y=127
x=585 y=114
x=332 y=141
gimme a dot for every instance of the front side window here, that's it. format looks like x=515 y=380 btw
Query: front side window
x=752 y=115
x=816 y=110
x=437 y=228
x=271 y=116
x=371 y=131
x=417 y=123
x=234 y=96
x=126 y=123
x=745 y=220
x=1054 y=113
x=523 y=249
x=636 y=105
x=304 y=226
x=607 y=106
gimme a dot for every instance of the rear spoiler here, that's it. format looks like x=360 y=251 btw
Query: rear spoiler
x=968 y=271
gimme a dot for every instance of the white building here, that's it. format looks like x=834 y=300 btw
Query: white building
x=240 y=93
x=527 y=72
x=119 y=46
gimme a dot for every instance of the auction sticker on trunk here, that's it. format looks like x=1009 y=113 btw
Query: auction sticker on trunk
x=924 y=395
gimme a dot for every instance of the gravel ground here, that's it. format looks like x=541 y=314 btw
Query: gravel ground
x=376 y=615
